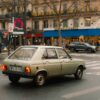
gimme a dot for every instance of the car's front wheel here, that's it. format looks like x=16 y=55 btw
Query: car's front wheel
x=79 y=73
x=40 y=79
x=72 y=49
x=90 y=50
x=14 y=79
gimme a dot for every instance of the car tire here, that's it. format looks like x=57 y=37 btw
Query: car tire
x=72 y=49
x=14 y=79
x=90 y=51
x=79 y=73
x=40 y=79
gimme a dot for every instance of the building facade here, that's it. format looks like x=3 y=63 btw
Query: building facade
x=41 y=15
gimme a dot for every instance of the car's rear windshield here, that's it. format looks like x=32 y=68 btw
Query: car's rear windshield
x=23 y=53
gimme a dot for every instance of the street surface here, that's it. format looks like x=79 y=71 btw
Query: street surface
x=63 y=88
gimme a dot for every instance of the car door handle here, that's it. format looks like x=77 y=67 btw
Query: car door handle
x=62 y=61
x=46 y=62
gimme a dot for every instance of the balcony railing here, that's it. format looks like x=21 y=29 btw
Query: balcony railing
x=68 y=14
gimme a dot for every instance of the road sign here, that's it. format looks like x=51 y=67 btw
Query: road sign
x=18 y=23
x=10 y=27
x=18 y=33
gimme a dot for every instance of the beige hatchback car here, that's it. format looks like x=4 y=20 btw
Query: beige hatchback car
x=41 y=62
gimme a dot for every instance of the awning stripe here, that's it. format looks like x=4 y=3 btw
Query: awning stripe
x=72 y=33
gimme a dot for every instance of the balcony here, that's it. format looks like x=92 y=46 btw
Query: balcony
x=69 y=14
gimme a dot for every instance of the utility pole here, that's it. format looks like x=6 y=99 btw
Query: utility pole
x=13 y=16
x=24 y=16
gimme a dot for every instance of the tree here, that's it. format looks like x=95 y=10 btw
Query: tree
x=56 y=7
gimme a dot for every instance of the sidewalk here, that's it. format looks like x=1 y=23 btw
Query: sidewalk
x=4 y=54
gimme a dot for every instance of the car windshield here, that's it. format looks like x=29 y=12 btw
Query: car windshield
x=87 y=44
x=23 y=53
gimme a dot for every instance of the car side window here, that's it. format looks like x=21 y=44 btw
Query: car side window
x=62 y=54
x=45 y=55
x=81 y=44
x=50 y=53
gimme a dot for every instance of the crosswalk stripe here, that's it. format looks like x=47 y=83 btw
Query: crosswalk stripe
x=92 y=62
x=95 y=68
x=91 y=65
x=86 y=55
x=92 y=73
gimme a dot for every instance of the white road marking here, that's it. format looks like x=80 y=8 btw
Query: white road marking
x=93 y=65
x=91 y=62
x=81 y=92
x=84 y=54
x=93 y=73
x=96 y=68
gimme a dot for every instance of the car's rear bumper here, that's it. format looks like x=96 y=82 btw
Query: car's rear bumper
x=18 y=74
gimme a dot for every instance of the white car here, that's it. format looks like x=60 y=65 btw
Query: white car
x=41 y=62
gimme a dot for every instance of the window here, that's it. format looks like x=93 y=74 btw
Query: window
x=36 y=25
x=65 y=23
x=65 y=8
x=75 y=22
x=45 y=23
x=55 y=23
x=23 y=54
x=62 y=53
x=45 y=10
x=88 y=22
x=50 y=53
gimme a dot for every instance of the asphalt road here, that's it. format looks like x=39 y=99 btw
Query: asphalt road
x=63 y=88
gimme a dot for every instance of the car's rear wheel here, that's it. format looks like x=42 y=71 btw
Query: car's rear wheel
x=14 y=79
x=90 y=50
x=40 y=79
x=72 y=49
x=79 y=73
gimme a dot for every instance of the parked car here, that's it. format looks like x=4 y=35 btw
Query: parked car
x=82 y=46
x=41 y=62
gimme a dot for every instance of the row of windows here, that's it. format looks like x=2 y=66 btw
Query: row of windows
x=65 y=6
x=75 y=23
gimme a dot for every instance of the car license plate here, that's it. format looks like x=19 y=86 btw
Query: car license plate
x=17 y=69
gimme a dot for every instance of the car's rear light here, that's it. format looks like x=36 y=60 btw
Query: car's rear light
x=27 y=70
x=4 y=67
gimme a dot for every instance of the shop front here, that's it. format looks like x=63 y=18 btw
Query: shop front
x=86 y=35
x=33 y=39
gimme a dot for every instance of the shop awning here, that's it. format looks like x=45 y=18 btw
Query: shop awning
x=30 y=35
x=72 y=33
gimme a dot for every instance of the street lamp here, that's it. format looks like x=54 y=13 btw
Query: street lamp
x=24 y=16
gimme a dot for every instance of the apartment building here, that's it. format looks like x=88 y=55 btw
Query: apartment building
x=41 y=15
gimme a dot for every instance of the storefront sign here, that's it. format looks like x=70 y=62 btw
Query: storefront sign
x=18 y=23
x=18 y=33
x=10 y=27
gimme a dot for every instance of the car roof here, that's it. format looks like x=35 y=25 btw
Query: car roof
x=74 y=42
x=41 y=46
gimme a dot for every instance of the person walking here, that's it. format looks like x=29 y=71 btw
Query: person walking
x=0 y=47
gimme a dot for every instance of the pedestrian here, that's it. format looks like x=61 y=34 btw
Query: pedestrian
x=66 y=46
x=0 y=47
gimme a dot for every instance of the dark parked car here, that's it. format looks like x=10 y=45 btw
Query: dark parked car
x=41 y=62
x=82 y=46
